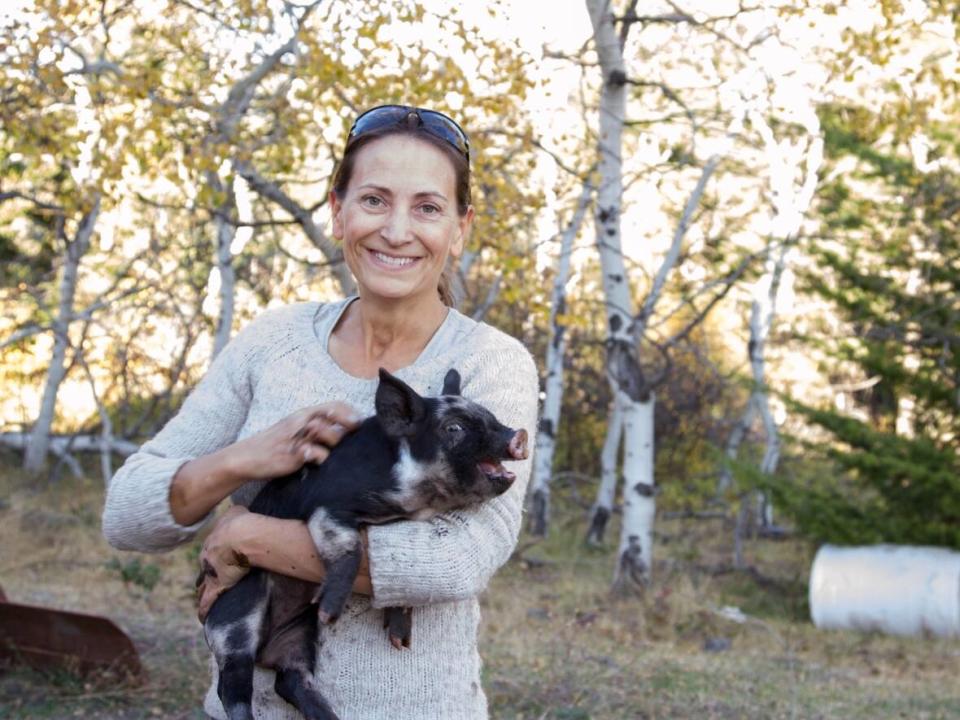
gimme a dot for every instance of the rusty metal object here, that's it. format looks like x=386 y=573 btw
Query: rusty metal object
x=44 y=639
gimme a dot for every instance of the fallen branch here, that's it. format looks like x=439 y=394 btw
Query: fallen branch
x=62 y=445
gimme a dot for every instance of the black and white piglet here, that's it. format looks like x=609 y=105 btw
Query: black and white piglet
x=415 y=458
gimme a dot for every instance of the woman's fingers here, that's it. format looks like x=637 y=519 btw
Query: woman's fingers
x=320 y=428
x=314 y=453
x=221 y=565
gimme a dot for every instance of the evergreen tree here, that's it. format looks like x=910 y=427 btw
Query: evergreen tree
x=888 y=264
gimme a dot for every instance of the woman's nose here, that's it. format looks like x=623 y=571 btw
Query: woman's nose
x=397 y=228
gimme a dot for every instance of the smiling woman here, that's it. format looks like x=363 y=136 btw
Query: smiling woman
x=293 y=382
x=399 y=220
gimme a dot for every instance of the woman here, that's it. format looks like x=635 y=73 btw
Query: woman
x=283 y=391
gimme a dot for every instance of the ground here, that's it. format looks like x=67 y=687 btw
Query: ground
x=556 y=645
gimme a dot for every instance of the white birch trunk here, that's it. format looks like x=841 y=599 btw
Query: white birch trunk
x=603 y=507
x=553 y=384
x=790 y=203
x=622 y=365
x=226 y=231
x=106 y=426
x=639 y=503
x=39 y=443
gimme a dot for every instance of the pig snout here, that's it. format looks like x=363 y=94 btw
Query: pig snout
x=518 y=445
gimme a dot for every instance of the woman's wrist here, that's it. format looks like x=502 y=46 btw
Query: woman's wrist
x=200 y=484
x=285 y=547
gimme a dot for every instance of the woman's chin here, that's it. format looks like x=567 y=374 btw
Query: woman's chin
x=395 y=289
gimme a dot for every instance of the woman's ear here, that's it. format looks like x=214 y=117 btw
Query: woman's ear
x=336 y=210
x=465 y=223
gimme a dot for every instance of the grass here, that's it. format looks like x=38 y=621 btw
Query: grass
x=556 y=645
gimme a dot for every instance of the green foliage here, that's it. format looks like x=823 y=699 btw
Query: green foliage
x=891 y=271
x=137 y=573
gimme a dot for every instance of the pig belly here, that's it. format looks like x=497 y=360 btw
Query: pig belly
x=287 y=621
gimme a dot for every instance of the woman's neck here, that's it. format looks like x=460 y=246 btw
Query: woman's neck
x=391 y=334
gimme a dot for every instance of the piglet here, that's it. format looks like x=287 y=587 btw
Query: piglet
x=415 y=458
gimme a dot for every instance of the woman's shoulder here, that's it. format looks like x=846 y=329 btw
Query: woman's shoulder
x=481 y=345
x=485 y=338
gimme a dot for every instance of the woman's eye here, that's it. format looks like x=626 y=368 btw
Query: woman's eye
x=430 y=209
x=372 y=201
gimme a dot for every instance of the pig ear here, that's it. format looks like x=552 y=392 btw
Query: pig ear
x=399 y=409
x=451 y=383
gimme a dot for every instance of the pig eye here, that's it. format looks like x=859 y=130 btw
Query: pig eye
x=454 y=428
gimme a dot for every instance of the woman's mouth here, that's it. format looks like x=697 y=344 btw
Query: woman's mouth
x=392 y=262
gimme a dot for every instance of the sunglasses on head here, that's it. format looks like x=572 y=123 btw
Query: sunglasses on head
x=435 y=123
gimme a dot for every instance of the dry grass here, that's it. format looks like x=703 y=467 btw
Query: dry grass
x=555 y=644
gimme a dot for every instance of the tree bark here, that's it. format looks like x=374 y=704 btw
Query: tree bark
x=790 y=203
x=553 y=382
x=39 y=443
x=226 y=231
x=606 y=494
x=622 y=365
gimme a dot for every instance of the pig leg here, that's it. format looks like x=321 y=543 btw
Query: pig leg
x=338 y=543
x=292 y=685
x=399 y=622
x=292 y=653
x=233 y=630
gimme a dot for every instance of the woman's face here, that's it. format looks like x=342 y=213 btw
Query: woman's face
x=398 y=219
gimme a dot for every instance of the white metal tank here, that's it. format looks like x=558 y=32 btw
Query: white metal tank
x=896 y=589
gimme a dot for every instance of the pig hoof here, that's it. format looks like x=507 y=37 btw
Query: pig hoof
x=399 y=642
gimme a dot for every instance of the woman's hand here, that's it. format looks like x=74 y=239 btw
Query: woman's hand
x=305 y=436
x=241 y=539
x=222 y=565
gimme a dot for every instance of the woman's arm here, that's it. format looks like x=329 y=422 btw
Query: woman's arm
x=137 y=514
x=162 y=494
x=242 y=539
x=453 y=556
x=304 y=436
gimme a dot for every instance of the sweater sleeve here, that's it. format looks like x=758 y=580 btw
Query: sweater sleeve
x=137 y=515
x=453 y=556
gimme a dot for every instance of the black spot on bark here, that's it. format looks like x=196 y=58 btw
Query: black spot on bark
x=751 y=346
x=539 y=513
x=618 y=78
x=558 y=338
x=603 y=215
x=611 y=232
x=644 y=489
x=615 y=323
x=546 y=426
x=598 y=525
x=616 y=277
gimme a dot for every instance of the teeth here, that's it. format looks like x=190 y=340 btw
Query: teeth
x=395 y=261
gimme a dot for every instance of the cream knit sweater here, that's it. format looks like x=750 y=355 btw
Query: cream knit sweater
x=280 y=363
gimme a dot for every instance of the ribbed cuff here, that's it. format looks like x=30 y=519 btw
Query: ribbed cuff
x=137 y=514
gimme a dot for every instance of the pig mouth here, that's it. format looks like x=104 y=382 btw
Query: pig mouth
x=493 y=470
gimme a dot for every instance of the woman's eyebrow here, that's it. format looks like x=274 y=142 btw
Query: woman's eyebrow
x=387 y=191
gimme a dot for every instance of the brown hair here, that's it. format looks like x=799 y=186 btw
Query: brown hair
x=461 y=168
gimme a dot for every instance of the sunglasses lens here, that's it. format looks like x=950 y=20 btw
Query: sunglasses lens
x=437 y=124
x=378 y=117
x=446 y=129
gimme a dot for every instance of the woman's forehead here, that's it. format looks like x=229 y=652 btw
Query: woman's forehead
x=404 y=163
